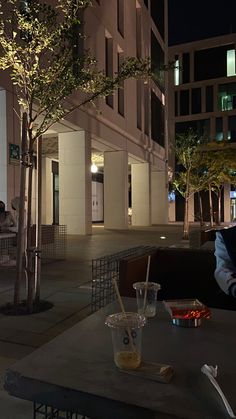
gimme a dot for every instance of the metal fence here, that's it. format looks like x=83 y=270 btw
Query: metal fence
x=42 y=411
x=105 y=269
x=54 y=244
x=7 y=249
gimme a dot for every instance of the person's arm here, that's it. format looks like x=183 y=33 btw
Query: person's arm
x=225 y=273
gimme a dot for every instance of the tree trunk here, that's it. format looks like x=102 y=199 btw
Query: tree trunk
x=38 y=221
x=186 y=222
x=186 y=207
x=218 y=222
x=210 y=206
x=21 y=220
x=200 y=209
x=30 y=247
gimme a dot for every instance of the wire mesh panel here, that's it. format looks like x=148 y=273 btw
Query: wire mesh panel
x=54 y=239
x=7 y=249
x=42 y=411
x=105 y=269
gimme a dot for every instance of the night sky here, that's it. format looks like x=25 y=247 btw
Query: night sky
x=190 y=20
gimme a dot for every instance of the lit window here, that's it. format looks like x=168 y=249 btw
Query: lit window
x=231 y=63
x=176 y=73
x=226 y=103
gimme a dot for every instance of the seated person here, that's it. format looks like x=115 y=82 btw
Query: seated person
x=6 y=219
x=225 y=252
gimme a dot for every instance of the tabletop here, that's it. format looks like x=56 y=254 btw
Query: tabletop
x=75 y=371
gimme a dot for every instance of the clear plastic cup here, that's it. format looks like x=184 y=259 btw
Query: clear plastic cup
x=126 y=330
x=146 y=295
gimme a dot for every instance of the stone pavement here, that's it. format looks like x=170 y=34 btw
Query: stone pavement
x=67 y=284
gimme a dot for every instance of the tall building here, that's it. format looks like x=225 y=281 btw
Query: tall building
x=126 y=141
x=202 y=96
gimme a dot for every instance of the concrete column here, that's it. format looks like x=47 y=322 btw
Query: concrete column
x=227 y=216
x=47 y=191
x=75 y=207
x=172 y=211
x=3 y=148
x=159 y=198
x=140 y=189
x=116 y=190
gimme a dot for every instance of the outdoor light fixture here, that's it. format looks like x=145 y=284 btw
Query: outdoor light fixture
x=94 y=168
x=162 y=237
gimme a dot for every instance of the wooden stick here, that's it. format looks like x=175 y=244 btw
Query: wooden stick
x=146 y=283
x=123 y=311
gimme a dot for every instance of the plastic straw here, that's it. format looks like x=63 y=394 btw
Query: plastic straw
x=146 y=283
x=123 y=311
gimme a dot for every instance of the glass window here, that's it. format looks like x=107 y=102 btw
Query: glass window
x=158 y=15
x=219 y=129
x=209 y=98
x=201 y=126
x=120 y=16
x=176 y=71
x=157 y=59
x=109 y=65
x=138 y=33
x=196 y=100
x=211 y=63
x=139 y=103
x=146 y=109
x=121 y=95
x=186 y=68
x=157 y=120
x=232 y=128
x=227 y=97
x=231 y=62
x=184 y=102
x=176 y=104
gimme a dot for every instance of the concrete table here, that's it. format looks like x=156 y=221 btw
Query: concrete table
x=75 y=371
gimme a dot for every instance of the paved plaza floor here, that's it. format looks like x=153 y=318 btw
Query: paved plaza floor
x=67 y=284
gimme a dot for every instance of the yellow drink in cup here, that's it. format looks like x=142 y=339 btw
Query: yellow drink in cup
x=126 y=330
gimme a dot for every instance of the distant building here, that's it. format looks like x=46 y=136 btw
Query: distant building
x=202 y=95
x=127 y=141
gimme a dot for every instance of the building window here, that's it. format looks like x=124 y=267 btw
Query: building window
x=209 y=98
x=201 y=127
x=176 y=71
x=120 y=16
x=138 y=33
x=231 y=62
x=186 y=68
x=121 y=93
x=219 y=129
x=157 y=59
x=176 y=104
x=196 y=100
x=227 y=97
x=158 y=15
x=146 y=109
x=184 y=102
x=157 y=120
x=139 y=104
x=232 y=128
x=109 y=65
x=211 y=63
